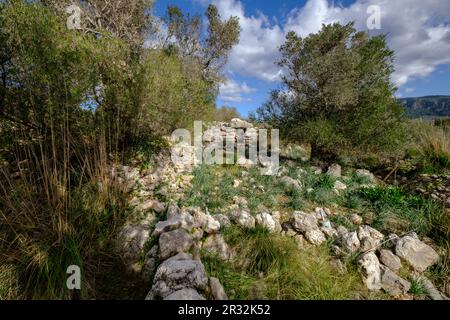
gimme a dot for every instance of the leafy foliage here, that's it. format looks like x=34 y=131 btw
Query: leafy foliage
x=337 y=93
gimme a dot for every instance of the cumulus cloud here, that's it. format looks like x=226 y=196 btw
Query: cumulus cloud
x=233 y=91
x=418 y=31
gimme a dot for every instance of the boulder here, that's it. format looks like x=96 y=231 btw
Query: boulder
x=217 y=290
x=185 y=295
x=205 y=221
x=180 y=220
x=303 y=222
x=417 y=254
x=390 y=260
x=368 y=231
x=178 y=273
x=392 y=283
x=240 y=124
x=369 y=244
x=244 y=219
x=349 y=241
x=215 y=244
x=211 y=225
x=267 y=221
x=369 y=237
x=371 y=272
x=174 y=242
x=315 y=236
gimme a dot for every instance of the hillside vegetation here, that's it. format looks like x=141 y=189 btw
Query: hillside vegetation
x=358 y=210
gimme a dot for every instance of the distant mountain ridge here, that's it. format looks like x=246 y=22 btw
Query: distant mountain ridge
x=429 y=106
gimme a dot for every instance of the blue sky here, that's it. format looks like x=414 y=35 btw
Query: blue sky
x=418 y=31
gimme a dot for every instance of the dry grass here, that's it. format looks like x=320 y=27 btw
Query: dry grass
x=433 y=146
x=58 y=209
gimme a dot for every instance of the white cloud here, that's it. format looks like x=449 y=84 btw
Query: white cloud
x=257 y=51
x=232 y=91
x=418 y=31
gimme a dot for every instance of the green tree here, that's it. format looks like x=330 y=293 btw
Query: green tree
x=226 y=114
x=209 y=52
x=337 y=93
x=130 y=20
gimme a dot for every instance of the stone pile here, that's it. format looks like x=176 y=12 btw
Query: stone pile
x=180 y=274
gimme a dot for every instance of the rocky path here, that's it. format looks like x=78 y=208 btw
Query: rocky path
x=164 y=242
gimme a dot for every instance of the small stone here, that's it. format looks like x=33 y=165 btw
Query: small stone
x=244 y=219
x=329 y=232
x=371 y=271
x=217 y=290
x=240 y=124
x=291 y=183
x=303 y=222
x=390 y=260
x=215 y=244
x=131 y=242
x=369 y=244
x=339 y=186
x=350 y=242
x=393 y=284
x=211 y=225
x=417 y=254
x=223 y=220
x=267 y=221
x=315 y=237
x=341 y=230
x=356 y=219
x=335 y=171
x=369 y=232
x=320 y=214
x=338 y=265
x=365 y=174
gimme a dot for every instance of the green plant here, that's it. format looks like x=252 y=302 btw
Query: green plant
x=280 y=270
x=417 y=288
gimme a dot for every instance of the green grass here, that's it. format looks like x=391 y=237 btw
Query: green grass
x=417 y=288
x=275 y=268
